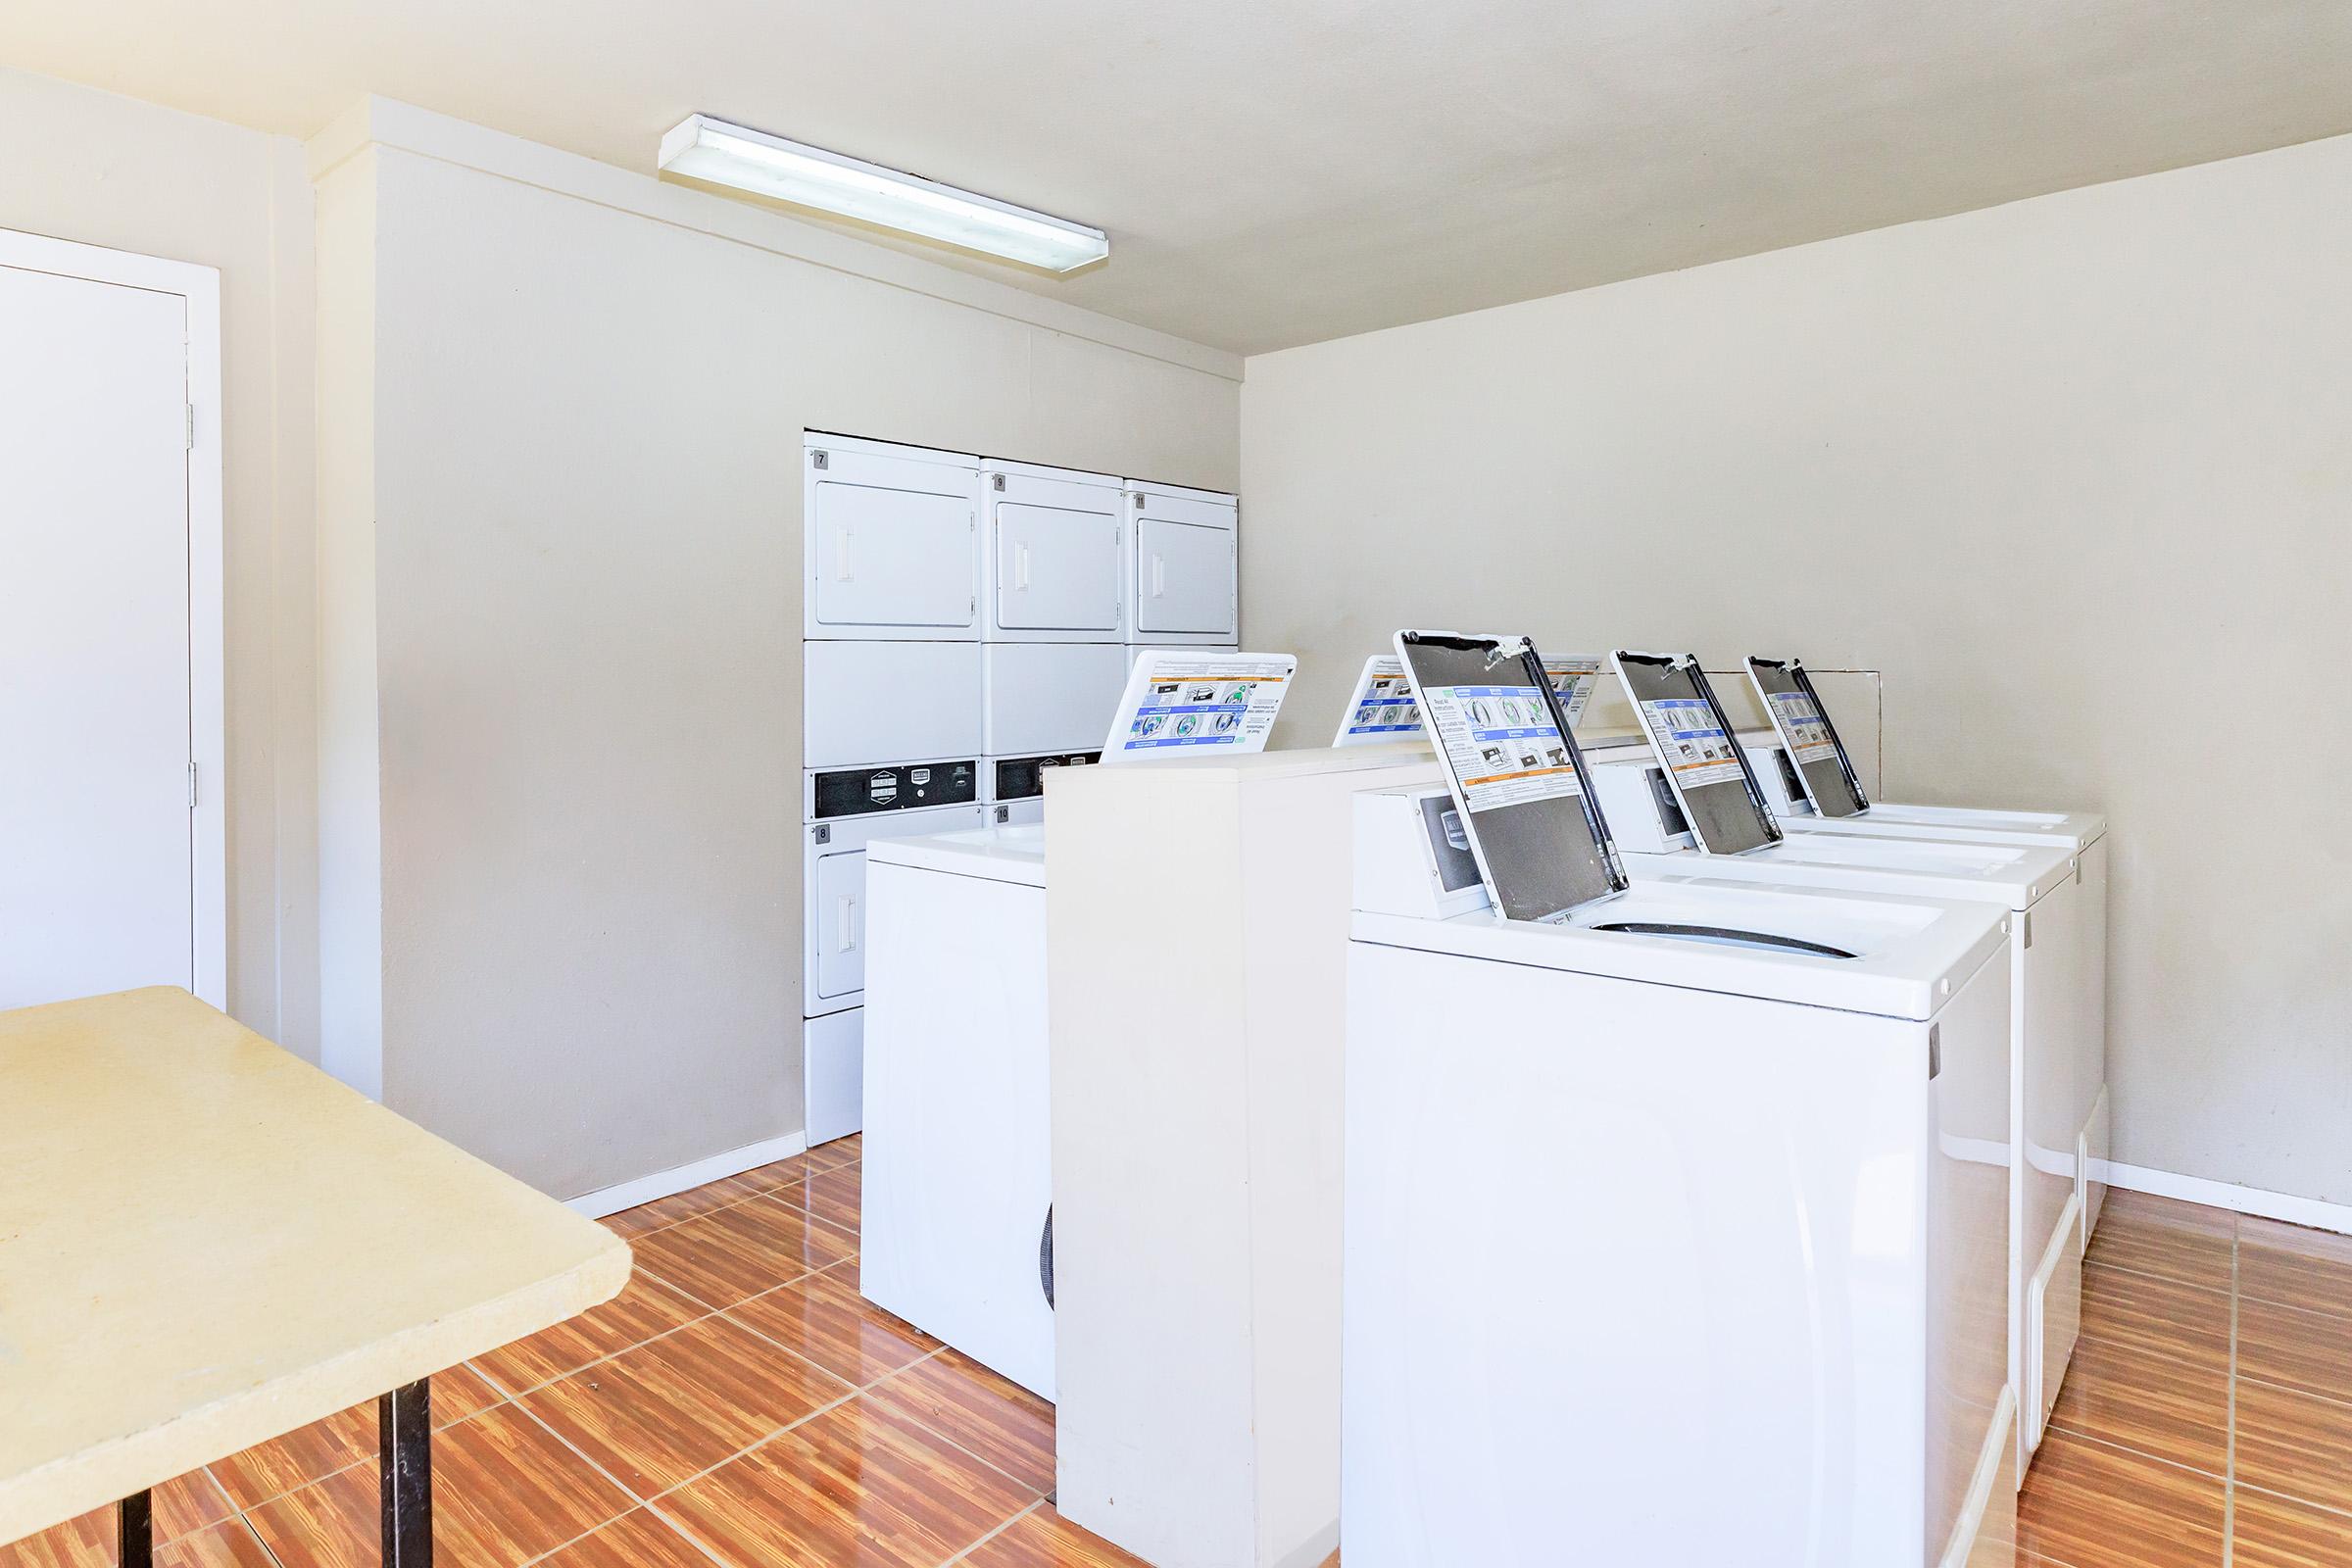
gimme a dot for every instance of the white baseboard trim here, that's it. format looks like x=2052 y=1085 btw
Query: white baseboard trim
x=2314 y=1211
x=664 y=1182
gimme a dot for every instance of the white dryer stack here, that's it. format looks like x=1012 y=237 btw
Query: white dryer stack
x=969 y=624
x=1053 y=653
x=890 y=712
x=1084 y=569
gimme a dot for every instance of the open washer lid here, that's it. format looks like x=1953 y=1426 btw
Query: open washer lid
x=1824 y=766
x=1519 y=783
x=1194 y=702
x=1704 y=762
x=1383 y=708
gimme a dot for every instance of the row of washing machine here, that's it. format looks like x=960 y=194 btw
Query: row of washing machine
x=1770 y=1117
x=1767 y=1244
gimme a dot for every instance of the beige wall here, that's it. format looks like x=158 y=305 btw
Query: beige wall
x=2076 y=475
x=100 y=169
x=586 y=417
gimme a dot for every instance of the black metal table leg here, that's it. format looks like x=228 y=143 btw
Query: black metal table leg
x=404 y=1420
x=134 y=1529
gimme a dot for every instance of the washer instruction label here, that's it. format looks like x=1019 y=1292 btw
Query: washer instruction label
x=1385 y=708
x=1501 y=743
x=1573 y=679
x=1801 y=726
x=1207 y=702
x=1693 y=744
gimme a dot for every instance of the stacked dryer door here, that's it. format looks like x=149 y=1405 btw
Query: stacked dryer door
x=1184 y=548
x=892 y=705
x=1054 y=621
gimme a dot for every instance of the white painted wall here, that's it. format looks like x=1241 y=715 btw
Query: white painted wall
x=102 y=170
x=573 y=546
x=2073 y=474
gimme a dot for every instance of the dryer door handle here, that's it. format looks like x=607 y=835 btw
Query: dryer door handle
x=845 y=924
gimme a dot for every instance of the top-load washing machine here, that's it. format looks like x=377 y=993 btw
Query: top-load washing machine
x=1809 y=777
x=958 y=1235
x=1655 y=807
x=1718 y=1276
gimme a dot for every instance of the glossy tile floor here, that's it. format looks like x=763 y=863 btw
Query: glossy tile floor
x=2208 y=1415
x=740 y=1404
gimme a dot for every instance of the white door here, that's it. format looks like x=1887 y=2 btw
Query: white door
x=839 y=917
x=96 y=877
x=1184 y=578
x=893 y=547
x=1057 y=569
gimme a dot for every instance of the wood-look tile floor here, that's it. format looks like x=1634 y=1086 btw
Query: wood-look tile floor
x=740 y=1404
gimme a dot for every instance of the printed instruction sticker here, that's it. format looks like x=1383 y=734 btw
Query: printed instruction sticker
x=1573 y=679
x=1502 y=744
x=1213 y=701
x=1802 y=727
x=1693 y=744
x=1385 y=708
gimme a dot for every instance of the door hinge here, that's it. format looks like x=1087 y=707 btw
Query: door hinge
x=189 y=433
x=1934 y=1051
x=2028 y=918
x=191 y=786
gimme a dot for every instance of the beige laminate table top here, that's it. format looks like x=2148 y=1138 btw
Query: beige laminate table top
x=205 y=1242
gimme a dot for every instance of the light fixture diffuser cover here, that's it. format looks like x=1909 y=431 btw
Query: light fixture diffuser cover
x=702 y=148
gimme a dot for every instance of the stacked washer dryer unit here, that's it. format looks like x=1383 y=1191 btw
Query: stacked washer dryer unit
x=1713 y=1213
x=892 y=712
x=1084 y=569
x=969 y=622
x=1053 y=653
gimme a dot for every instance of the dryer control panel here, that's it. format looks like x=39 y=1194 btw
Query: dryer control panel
x=904 y=787
x=1020 y=779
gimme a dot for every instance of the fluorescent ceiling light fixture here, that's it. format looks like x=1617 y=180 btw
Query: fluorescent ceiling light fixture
x=702 y=148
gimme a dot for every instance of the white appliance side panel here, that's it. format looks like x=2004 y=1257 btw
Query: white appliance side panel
x=958 y=1147
x=2049 y=947
x=1059 y=567
x=1185 y=580
x=1622 y=1241
x=889 y=701
x=832 y=1063
x=1969 y=1367
x=892 y=546
x=2090 y=1002
x=1049 y=697
x=2053 y=1322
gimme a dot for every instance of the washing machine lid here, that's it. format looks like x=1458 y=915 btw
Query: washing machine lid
x=1907 y=954
x=1691 y=736
x=2072 y=830
x=1013 y=854
x=1197 y=703
x=2014 y=875
x=1824 y=766
x=1508 y=747
x=1381 y=706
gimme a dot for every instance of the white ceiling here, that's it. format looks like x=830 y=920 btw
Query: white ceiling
x=1280 y=172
